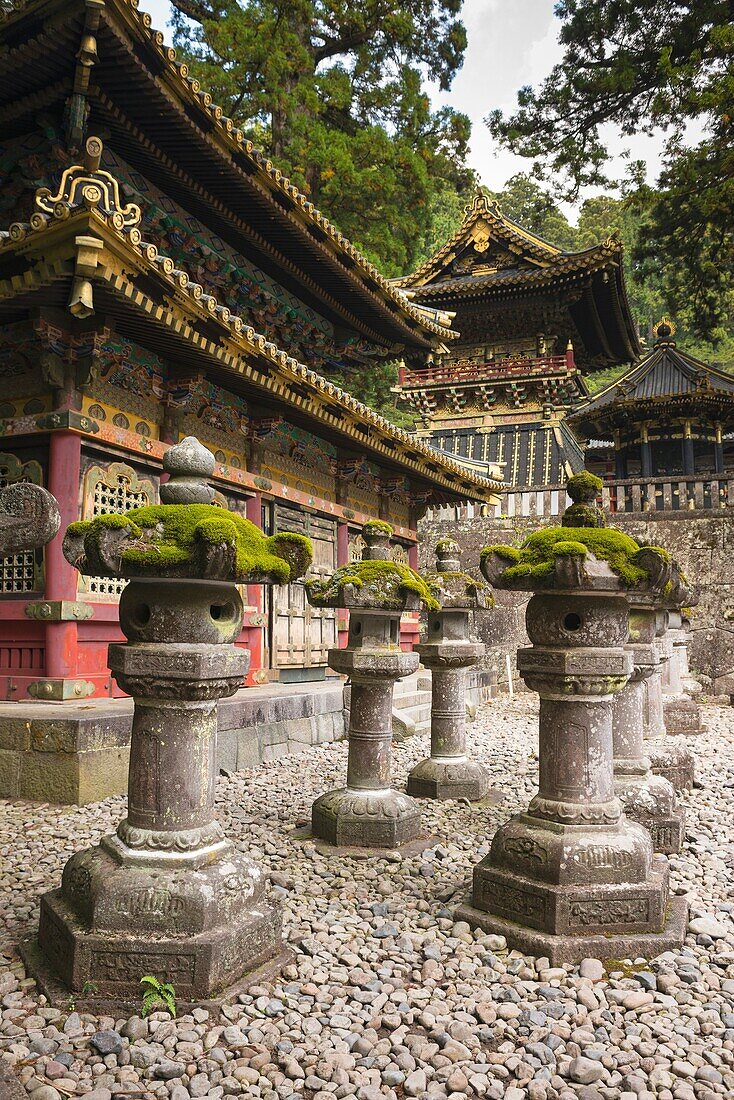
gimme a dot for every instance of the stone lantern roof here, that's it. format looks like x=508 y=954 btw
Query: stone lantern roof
x=186 y=536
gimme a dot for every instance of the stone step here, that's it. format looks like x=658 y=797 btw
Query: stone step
x=412 y=699
x=419 y=712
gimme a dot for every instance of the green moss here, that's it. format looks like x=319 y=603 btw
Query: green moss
x=507 y=553
x=583 y=515
x=378 y=526
x=172 y=540
x=536 y=557
x=471 y=587
x=584 y=487
x=570 y=549
x=387 y=577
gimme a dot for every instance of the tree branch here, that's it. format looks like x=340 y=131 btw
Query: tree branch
x=332 y=47
x=195 y=9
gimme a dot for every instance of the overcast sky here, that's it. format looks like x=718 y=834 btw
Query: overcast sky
x=511 y=43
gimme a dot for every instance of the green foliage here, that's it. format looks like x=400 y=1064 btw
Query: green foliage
x=390 y=581
x=646 y=65
x=373 y=386
x=570 y=549
x=335 y=94
x=536 y=557
x=157 y=994
x=171 y=538
x=507 y=553
x=533 y=207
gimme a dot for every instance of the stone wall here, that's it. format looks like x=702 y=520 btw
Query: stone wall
x=702 y=541
x=69 y=753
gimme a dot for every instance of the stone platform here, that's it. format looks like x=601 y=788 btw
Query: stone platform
x=76 y=753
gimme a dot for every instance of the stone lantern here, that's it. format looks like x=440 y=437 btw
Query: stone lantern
x=646 y=797
x=369 y=812
x=668 y=756
x=681 y=714
x=448 y=652
x=29 y=518
x=572 y=877
x=167 y=894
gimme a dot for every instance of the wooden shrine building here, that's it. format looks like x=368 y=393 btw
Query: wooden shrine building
x=669 y=415
x=159 y=278
x=532 y=320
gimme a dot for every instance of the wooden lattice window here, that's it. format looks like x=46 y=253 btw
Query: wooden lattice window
x=115 y=488
x=356 y=546
x=20 y=572
x=400 y=553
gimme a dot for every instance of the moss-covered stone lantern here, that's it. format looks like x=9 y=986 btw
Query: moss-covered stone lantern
x=448 y=650
x=573 y=877
x=669 y=756
x=646 y=797
x=167 y=894
x=368 y=812
x=681 y=713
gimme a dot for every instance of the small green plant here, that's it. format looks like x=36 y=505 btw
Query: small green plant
x=157 y=994
x=90 y=987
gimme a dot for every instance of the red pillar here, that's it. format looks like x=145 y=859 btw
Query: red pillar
x=64 y=476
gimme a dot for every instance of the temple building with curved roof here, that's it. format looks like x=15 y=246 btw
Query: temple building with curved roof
x=670 y=414
x=532 y=320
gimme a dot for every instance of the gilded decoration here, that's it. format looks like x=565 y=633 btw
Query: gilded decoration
x=88 y=185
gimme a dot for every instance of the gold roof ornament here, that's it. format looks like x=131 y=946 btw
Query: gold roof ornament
x=88 y=185
x=664 y=330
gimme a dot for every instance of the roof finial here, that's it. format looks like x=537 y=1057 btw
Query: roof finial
x=664 y=331
x=483 y=204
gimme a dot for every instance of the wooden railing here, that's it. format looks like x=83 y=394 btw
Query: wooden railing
x=697 y=492
x=491 y=371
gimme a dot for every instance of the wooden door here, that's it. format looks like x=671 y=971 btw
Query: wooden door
x=302 y=635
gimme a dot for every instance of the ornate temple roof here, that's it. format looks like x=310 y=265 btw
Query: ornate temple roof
x=667 y=379
x=102 y=59
x=492 y=257
x=82 y=250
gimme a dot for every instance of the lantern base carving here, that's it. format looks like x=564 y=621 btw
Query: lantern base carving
x=673 y=761
x=650 y=801
x=451 y=778
x=562 y=949
x=570 y=922
x=199 y=919
x=366 y=819
x=682 y=715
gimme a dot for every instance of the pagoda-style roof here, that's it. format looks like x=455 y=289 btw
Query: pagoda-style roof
x=83 y=251
x=667 y=381
x=100 y=60
x=491 y=257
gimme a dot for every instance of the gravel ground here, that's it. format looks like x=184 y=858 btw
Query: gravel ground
x=387 y=996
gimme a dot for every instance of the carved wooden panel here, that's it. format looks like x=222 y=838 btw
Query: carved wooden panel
x=20 y=572
x=302 y=635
